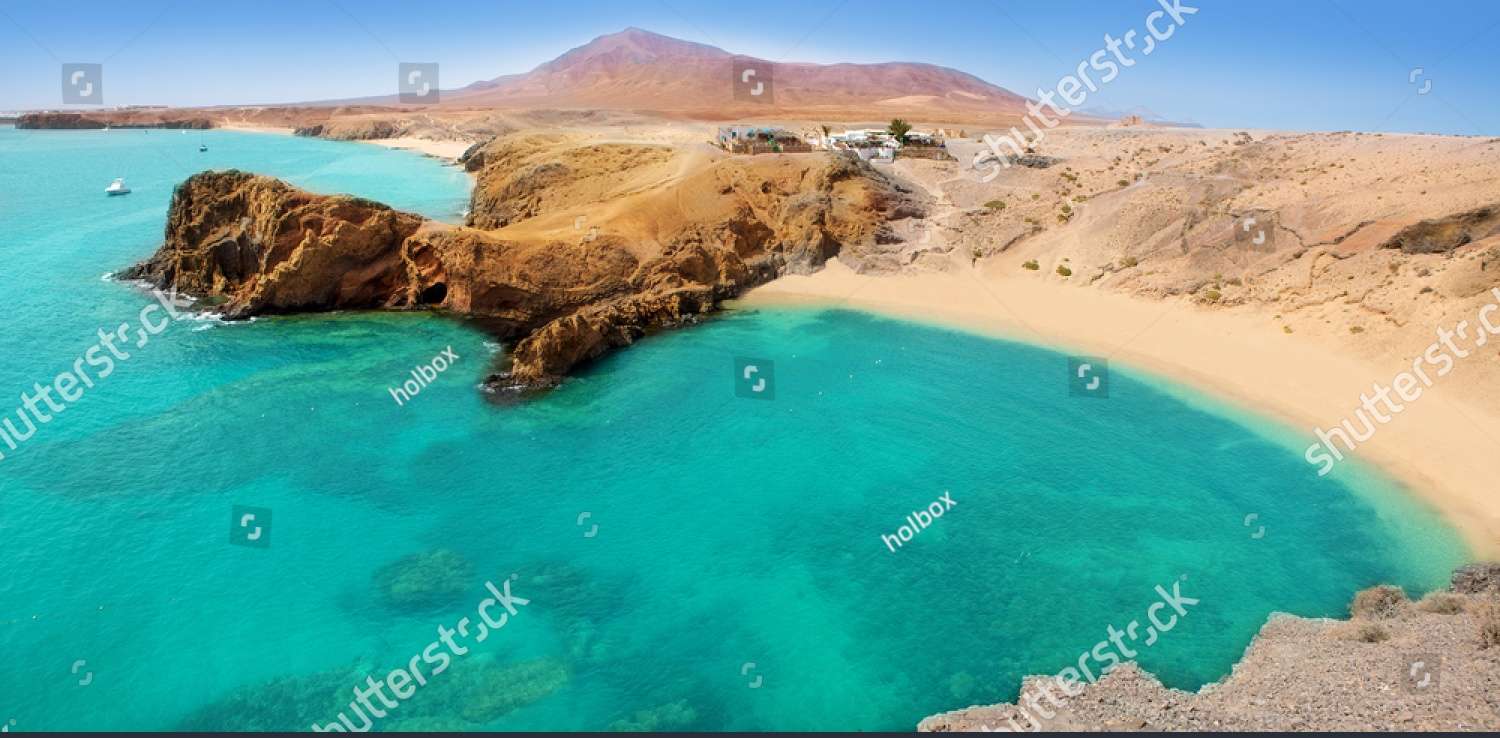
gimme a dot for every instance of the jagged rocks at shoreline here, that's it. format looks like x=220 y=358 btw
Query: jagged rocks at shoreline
x=1306 y=675
x=665 y=253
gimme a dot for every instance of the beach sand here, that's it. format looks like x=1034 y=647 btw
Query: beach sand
x=1444 y=450
x=445 y=150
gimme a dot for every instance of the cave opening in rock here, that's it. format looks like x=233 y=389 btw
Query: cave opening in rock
x=433 y=295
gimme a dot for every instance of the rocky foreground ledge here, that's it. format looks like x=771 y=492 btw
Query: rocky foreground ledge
x=563 y=293
x=1400 y=665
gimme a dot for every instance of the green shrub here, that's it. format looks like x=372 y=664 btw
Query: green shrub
x=1367 y=632
x=995 y=204
x=1031 y=264
x=1129 y=262
x=1064 y=271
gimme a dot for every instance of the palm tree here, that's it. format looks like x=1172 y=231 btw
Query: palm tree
x=899 y=128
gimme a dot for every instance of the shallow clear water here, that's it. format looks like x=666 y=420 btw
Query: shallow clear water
x=731 y=531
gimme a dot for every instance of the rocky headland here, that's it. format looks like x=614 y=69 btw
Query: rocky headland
x=1397 y=664
x=111 y=119
x=573 y=249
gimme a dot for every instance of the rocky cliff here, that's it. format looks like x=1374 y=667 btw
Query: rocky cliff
x=657 y=242
x=1432 y=664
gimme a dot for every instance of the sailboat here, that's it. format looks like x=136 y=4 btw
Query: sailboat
x=117 y=187
x=202 y=147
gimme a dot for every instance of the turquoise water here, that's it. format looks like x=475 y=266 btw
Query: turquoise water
x=730 y=531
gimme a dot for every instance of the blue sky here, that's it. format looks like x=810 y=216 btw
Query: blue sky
x=1304 y=65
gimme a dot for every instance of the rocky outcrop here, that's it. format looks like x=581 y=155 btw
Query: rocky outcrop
x=110 y=119
x=1427 y=665
x=358 y=129
x=253 y=245
x=1477 y=579
x=1443 y=235
x=57 y=121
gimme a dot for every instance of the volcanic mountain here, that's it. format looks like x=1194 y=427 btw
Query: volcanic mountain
x=638 y=70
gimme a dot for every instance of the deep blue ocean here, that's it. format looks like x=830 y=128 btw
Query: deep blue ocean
x=696 y=557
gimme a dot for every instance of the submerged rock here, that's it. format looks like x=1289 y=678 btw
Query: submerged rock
x=670 y=717
x=424 y=581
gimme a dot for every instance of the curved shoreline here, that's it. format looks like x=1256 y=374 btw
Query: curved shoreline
x=1443 y=455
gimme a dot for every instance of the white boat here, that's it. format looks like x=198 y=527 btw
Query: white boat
x=202 y=148
x=117 y=187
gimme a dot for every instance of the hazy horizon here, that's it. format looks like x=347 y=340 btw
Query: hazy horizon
x=1330 y=66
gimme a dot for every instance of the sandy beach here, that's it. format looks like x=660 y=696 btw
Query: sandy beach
x=446 y=150
x=1440 y=448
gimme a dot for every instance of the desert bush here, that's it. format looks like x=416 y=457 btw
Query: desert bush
x=1031 y=264
x=1364 y=632
x=1384 y=601
x=995 y=204
x=1064 y=271
x=1489 y=624
x=1444 y=603
x=1212 y=295
x=1129 y=262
